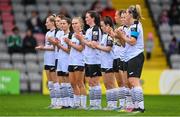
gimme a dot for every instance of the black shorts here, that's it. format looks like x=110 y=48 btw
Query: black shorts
x=92 y=70
x=124 y=66
x=117 y=65
x=56 y=62
x=73 y=68
x=107 y=70
x=50 y=68
x=135 y=65
x=61 y=73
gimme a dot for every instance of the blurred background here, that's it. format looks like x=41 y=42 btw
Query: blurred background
x=22 y=28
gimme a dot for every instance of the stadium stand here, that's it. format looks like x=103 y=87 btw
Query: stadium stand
x=15 y=13
x=169 y=29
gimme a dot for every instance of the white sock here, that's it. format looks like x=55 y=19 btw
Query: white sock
x=122 y=97
x=98 y=94
x=91 y=96
x=76 y=100
x=139 y=98
x=83 y=101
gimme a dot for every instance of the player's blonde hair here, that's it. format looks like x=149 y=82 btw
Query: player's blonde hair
x=80 y=20
x=136 y=11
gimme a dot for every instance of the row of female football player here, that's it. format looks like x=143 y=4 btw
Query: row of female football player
x=101 y=51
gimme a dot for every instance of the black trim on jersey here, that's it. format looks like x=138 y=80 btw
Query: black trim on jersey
x=56 y=30
x=95 y=33
x=56 y=63
x=70 y=35
x=135 y=29
x=124 y=27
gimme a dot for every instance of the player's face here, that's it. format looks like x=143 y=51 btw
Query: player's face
x=103 y=26
x=88 y=19
x=49 y=24
x=58 y=22
x=76 y=25
x=65 y=25
x=122 y=19
x=117 y=17
x=127 y=17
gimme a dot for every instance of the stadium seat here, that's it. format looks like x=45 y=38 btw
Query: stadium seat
x=42 y=1
x=5 y=57
x=18 y=8
x=166 y=36
x=20 y=17
x=54 y=8
x=24 y=82
x=31 y=57
x=175 y=58
x=6 y=65
x=165 y=28
x=32 y=67
x=17 y=57
x=43 y=15
x=42 y=8
x=19 y=66
x=40 y=56
x=154 y=1
x=3 y=47
x=35 y=81
x=22 y=26
x=175 y=65
x=176 y=28
x=30 y=8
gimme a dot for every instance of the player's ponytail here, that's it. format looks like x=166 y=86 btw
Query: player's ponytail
x=139 y=11
x=135 y=10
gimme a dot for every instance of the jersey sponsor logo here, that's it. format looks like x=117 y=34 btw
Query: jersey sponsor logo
x=95 y=32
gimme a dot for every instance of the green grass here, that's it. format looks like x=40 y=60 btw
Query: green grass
x=34 y=105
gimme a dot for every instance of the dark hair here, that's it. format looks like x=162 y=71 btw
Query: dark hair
x=120 y=12
x=15 y=29
x=108 y=21
x=60 y=16
x=68 y=20
x=96 y=16
x=135 y=10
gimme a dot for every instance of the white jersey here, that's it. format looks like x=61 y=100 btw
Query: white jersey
x=106 y=57
x=92 y=56
x=135 y=31
x=76 y=57
x=49 y=58
x=118 y=49
x=63 y=57
x=58 y=35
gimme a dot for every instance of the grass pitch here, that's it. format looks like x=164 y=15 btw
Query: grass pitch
x=34 y=105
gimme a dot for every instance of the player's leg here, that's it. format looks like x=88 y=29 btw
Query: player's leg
x=135 y=66
x=80 y=82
